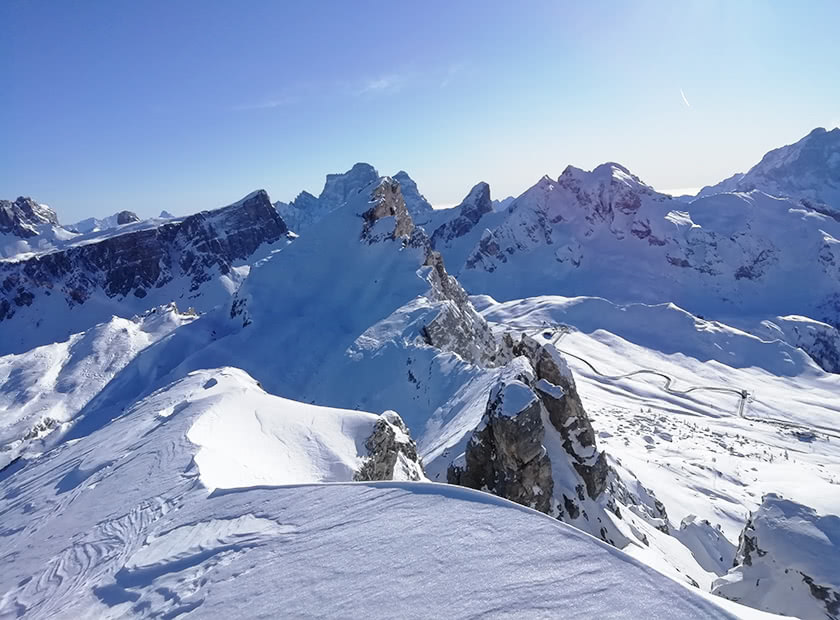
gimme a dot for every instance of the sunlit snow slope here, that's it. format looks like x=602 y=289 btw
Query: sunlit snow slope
x=121 y=522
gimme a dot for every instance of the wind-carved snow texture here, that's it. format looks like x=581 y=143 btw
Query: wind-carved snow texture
x=43 y=390
x=787 y=562
x=49 y=296
x=125 y=528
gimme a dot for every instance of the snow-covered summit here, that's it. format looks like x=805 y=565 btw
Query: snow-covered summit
x=416 y=203
x=606 y=233
x=808 y=170
x=27 y=226
x=341 y=186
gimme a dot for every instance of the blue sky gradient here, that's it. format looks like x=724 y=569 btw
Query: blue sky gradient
x=188 y=105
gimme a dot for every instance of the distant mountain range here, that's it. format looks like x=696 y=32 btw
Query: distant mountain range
x=647 y=370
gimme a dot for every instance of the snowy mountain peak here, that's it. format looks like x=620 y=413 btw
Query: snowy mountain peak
x=26 y=226
x=808 y=170
x=415 y=202
x=22 y=216
x=607 y=174
x=472 y=208
x=93 y=224
x=341 y=186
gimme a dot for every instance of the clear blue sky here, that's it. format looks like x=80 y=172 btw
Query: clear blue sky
x=186 y=105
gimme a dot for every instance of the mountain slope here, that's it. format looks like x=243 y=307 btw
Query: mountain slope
x=26 y=226
x=43 y=390
x=808 y=171
x=125 y=527
x=605 y=233
x=196 y=261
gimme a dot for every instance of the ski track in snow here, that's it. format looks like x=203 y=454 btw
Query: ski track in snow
x=118 y=523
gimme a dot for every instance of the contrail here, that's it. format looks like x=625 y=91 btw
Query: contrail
x=685 y=101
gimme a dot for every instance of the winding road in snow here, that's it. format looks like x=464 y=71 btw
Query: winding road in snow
x=744 y=395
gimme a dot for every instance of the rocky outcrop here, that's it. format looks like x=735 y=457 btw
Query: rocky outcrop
x=93 y=224
x=130 y=266
x=819 y=340
x=556 y=389
x=306 y=210
x=505 y=455
x=391 y=452
x=386 y=203
x=23 y=216
x=457 y=326
x=126 y=217
x=338 y=188
x=535 y=445
x=786 y=562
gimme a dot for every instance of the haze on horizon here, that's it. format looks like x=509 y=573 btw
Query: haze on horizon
x=190 y=105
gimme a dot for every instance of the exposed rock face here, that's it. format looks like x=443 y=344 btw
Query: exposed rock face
x=340 y=187
x=132 y=265
x=387 y=202
x=556 y=388
x=536 y=446
x=392 y=453
x=470 y=211
x=93 y=224
x=608 y=196
x=820 y=341
x=506 y=455
x=22 y=217
x=306 y=210
x=786 y=562
x=518 y=433
x=457 y=327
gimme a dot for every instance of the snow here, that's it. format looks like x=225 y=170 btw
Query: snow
x=125 y=527
x=248 y=437
x=794 y=546
x=170 y=464
x=806 y=170
x=703 y=460
x=51 y=384
x=516 y=397
x=606 y=234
